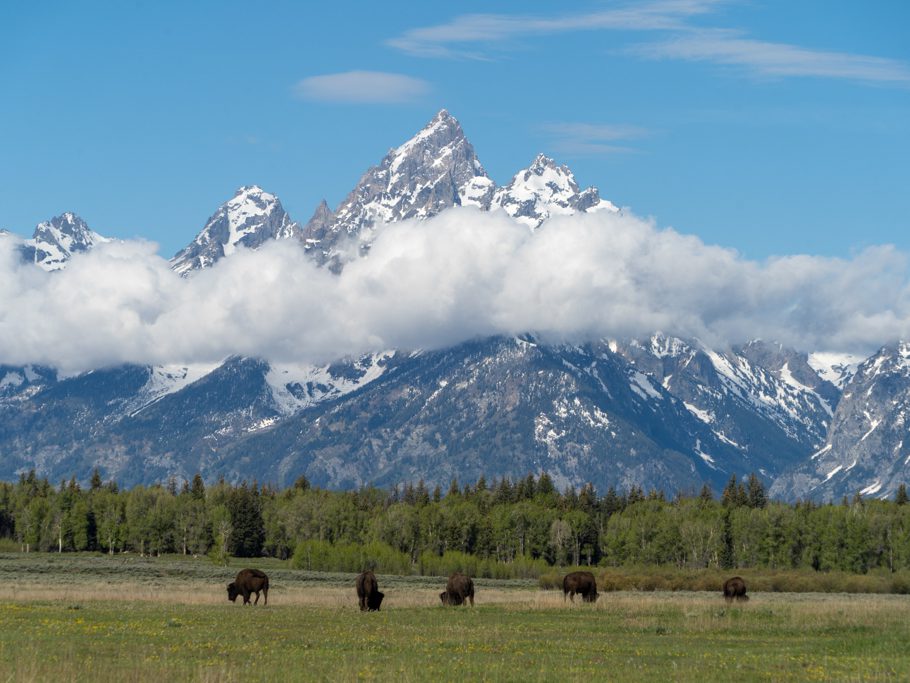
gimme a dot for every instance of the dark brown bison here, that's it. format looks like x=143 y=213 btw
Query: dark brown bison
x=249 y=581
x=582 y=583
x=735 y=589
x=368 y=592
x=459 y=589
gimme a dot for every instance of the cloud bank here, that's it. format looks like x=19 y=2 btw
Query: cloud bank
x=429 y=284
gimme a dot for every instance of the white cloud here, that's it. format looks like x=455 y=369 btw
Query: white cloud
x=438 y=282
x=375 y=87
x=592 y=138
x=453 y=38
x=776 y=60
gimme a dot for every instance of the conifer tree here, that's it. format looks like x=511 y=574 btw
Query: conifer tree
x=706 y=495
x=197 y=490
x=755 y=493
x=730 y=497
x=248 y=529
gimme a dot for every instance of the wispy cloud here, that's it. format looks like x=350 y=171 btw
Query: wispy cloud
x=592 y=138
x=775 y=60
x=375 y=87
x=469 y=35
x=477 y=36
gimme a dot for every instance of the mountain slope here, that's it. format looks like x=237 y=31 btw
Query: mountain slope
x=762 y=399
x=500 y=407
x=867 y=448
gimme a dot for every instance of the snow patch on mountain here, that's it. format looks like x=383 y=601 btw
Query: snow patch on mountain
x=164 y=380
x=837 y=368
x=296 y=386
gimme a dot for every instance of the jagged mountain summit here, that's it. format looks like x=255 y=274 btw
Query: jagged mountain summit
x=545 y=189
x=421 y=178
x=56 y=240
x=249 y=219
x=433 y=171
x=867 y=449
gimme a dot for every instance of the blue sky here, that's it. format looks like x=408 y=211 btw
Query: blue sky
x=772 y=127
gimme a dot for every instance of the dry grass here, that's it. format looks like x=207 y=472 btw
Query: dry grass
x=170 y=620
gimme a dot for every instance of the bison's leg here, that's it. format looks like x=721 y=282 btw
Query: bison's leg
x=256 y=601
x=363 y=603
x=471 y=597
x=246 y=597
x=265 y=594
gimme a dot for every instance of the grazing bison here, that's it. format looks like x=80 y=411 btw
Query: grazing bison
x=249 y=581
x=582 y=583
x=459 y=589
x=368 y=592
x=735 y=589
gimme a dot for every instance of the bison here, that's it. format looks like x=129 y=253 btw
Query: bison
x=582 y=583
x=368 y=592
x=249 y=581
x=459 y=589
x=735 y=589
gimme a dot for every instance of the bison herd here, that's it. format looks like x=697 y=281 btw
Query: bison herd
x=459 y=589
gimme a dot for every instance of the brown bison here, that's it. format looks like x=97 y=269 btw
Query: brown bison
x=735 y=589
x=582 y=583
x=249 y=581
x=459 y=589
x=368 y=592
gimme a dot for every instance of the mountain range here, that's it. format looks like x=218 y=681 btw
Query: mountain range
x=658 y=412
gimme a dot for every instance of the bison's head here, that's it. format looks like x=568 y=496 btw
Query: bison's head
x=232 y=591
x=591 y=597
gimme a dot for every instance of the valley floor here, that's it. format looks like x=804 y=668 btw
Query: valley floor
x=109 y=619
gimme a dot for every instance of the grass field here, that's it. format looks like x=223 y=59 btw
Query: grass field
x=69 y=618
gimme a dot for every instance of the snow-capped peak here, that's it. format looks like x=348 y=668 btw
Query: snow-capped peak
x=56 y=240
x=545 y=189
x=248 y=219
x=433 y=171
x=418 y=179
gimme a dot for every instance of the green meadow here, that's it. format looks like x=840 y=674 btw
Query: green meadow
x=80 y=617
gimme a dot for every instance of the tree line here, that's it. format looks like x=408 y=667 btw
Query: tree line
x=509 y=527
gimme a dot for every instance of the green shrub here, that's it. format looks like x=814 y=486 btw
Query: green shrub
x=322 y=556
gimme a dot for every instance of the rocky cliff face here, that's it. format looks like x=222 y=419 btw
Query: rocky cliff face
x=867 y=449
